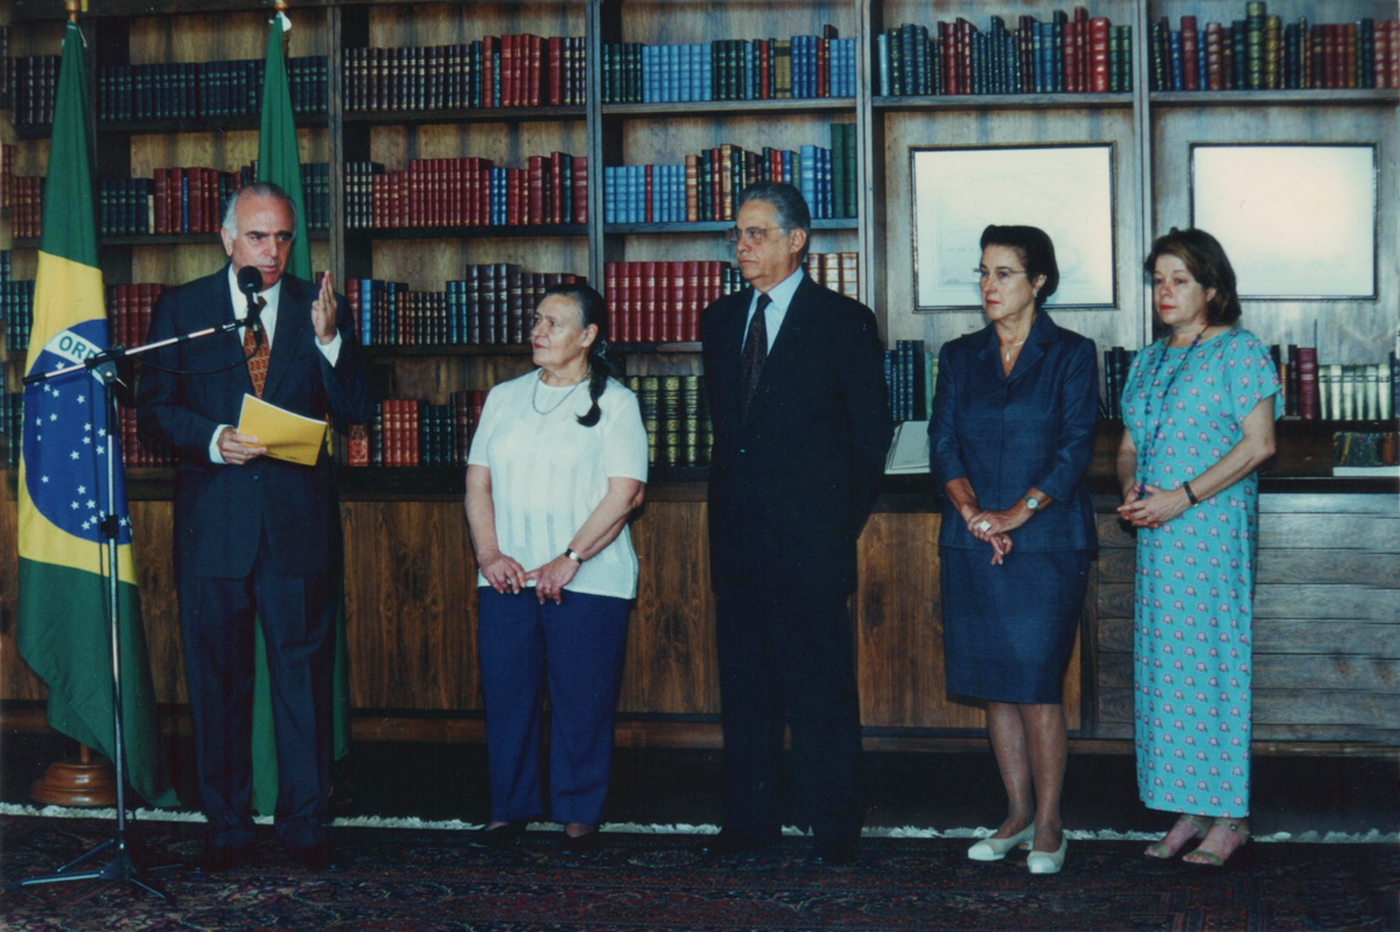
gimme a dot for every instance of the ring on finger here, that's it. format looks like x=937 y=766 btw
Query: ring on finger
x=985 y=526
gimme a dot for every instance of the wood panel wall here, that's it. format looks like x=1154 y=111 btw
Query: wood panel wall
x=1326 y=622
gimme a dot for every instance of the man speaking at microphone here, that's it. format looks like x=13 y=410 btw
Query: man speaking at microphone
x=255 y=537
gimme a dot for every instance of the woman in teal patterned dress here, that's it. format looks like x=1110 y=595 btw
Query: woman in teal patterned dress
x=1199 y=412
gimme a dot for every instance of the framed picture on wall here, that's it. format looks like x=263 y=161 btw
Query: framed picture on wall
x=1297 y=221
x=1067 y=191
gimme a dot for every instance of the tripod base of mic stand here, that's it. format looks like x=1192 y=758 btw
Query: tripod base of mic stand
x=120 y=868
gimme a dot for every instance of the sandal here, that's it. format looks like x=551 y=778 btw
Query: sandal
x=1201 y=824
x=1210 y=858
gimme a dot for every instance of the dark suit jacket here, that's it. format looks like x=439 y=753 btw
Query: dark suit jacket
x=1006 y=435
x=791 y=487
x=220 y=510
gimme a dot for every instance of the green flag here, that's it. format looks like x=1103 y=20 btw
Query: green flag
x=63 y=625
x=279 y=163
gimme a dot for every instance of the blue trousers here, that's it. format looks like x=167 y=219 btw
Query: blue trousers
x=576 y=649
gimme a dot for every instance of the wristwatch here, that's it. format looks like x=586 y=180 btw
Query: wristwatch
x=573 y=555
x=1032 y=502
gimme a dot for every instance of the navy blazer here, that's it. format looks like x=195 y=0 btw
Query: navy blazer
x=792 y=485
x=220 y=511
x=1006 y=435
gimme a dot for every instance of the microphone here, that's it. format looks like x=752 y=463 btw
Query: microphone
x=250 y=283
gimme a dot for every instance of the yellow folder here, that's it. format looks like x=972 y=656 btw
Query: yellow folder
x=287 y=436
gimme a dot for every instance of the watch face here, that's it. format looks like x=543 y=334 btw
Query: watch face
x=1032 y=503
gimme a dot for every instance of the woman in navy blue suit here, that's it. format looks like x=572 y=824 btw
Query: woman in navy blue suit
x=1014 y=415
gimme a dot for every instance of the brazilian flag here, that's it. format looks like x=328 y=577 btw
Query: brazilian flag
x=63 y=626
x=279 y=163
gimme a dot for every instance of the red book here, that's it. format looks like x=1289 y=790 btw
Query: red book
x=823 y=67
x=162 y=198
x=554 y=65
x=536 y=70
x=765 y=69
x=648 y=302
x=1081 y=49
x=1308 y=408
x=580 y=189
x=1190 y=55
x=678 y=308
x=514 y=196
x=633 y=294
x=661 y=302
x=617 y=323
x=1098 y=55
x=947 y=43
x=560 y=187
x=537 y=212
x=1215 y=57
x=716 y=188
x=174 y=202
x=1394 y=66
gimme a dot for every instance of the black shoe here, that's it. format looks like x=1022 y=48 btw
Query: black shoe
x=217 y=859
x=315 y=857
x=728 y=843
x=834 y=852
x=578 y=844
x=502 y=836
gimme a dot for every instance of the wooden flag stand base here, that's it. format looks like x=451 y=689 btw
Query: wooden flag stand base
x=87 y=781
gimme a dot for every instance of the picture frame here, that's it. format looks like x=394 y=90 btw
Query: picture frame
x=1298 y=220
x=1066 y=190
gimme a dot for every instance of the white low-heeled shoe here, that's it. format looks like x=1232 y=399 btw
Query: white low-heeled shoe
x=994 y=849
x=1048 y=862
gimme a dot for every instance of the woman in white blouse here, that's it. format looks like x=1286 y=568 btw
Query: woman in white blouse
x=557 y=466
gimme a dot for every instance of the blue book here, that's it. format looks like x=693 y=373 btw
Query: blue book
x=366 y=312
x=807 y=184
x=1178 y=80
x=1201 y=60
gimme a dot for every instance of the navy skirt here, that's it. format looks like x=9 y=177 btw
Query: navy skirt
x=1008 y=630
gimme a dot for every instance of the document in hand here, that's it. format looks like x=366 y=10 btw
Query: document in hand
x=909 y=449
x=287 y=436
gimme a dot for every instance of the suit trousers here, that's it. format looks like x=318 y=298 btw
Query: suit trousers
x=787 y=654
x=297 y=613
x=576 y=648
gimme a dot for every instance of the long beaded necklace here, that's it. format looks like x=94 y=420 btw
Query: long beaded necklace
x=1146 y=455
x=534 y=393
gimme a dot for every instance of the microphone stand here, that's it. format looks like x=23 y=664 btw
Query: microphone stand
x=122 y=867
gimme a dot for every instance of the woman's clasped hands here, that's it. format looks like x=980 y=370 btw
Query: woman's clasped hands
x=506 y=575
x=1153 y=506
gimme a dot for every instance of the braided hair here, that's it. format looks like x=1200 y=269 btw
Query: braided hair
x=592 y=310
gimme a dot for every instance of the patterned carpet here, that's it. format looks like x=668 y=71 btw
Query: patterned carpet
x=394 y=880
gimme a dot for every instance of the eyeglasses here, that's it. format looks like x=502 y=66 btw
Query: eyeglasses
x=750 y=235
x=1003 y=276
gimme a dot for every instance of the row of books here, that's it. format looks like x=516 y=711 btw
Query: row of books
x=1329 y=392
x=16 y=307
x=467 y=192
x=1357 y=392
x=412 y=432
x=910 y=375
x=497 y=71
x=803 y=67
x=660 y=302
x=11 y=427
x=1366 y=450
x=708 y=185
x=26 y=206
x=129 y=310
x=33 y=83
x=676 y=415
x=7 y=174
x=211 y=89
x=1065 y=55
x=1261 y=52
x=491 y=305
x=192 y=199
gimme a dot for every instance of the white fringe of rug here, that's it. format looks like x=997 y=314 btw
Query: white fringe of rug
x=1374 y=836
